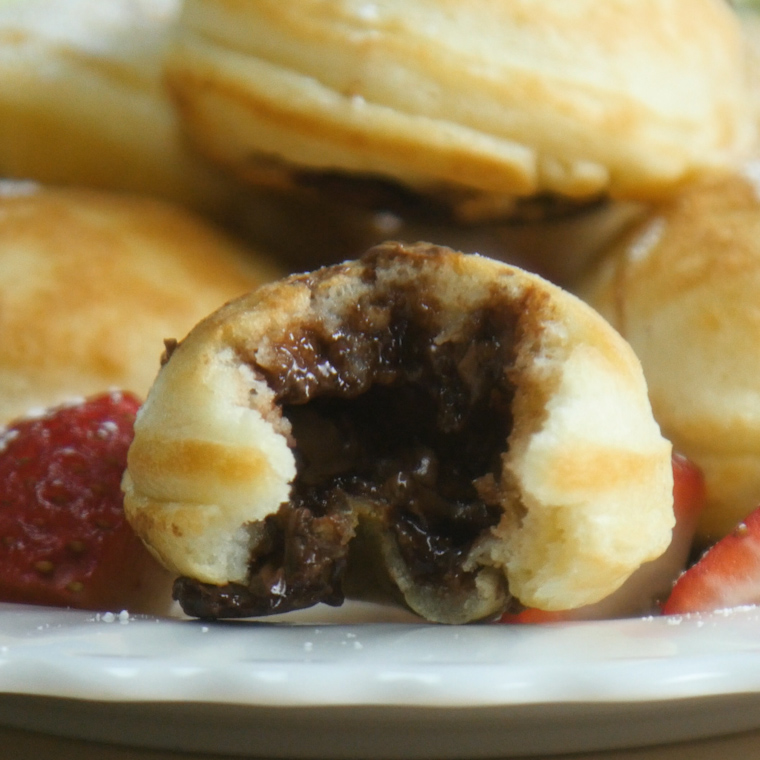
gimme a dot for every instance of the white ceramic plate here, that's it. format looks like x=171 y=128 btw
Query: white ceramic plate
x=382 y=690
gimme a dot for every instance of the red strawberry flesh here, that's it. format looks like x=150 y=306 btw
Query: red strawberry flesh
x=688 y=490
x=63 y=536
x=727 y=575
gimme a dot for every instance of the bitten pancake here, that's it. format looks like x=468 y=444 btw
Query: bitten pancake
x=461 y=427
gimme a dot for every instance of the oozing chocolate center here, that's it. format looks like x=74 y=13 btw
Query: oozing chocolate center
x=394 y=424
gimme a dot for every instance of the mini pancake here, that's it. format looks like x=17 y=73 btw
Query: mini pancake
x=682 y=289
x=477 y=106
x=91 y=284
x=82 y=101
x=442 y=425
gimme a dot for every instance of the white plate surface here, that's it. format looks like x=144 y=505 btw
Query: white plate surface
x=395 y=689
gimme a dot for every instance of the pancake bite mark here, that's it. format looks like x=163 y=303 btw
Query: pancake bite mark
x=409 y=406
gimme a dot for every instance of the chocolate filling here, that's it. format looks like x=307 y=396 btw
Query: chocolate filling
x=391 y=426
x=436 y=203
x=442 y=204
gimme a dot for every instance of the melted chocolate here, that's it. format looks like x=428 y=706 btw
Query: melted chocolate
x=383 y=414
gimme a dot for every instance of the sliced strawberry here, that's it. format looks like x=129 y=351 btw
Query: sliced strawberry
x=63 y=536
x=688 y=490
x=638 y=595
x=727 y=575
x=530 y=616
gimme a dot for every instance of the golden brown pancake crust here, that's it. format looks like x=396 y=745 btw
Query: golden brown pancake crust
x=91 y=284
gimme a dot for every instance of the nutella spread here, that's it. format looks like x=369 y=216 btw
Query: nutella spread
x=390 y=424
